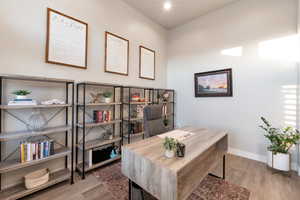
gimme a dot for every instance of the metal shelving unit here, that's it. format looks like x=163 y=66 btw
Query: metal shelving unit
x=84 y=127
x=170 y=104
x=128 y=91
x=8 y=165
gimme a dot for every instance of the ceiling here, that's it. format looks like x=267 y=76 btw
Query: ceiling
x=181 y=12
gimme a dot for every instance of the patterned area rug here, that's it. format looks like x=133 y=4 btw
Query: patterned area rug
x=211 y=188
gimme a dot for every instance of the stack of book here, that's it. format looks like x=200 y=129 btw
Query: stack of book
x=30 y=151
x=22 y=102
x=102 y=116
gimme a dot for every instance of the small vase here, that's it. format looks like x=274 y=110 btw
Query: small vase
x=36 y=121
x=169 y=153
x=107 y=100
x=21 y=97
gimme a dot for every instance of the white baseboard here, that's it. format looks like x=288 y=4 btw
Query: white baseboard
x=257 y=157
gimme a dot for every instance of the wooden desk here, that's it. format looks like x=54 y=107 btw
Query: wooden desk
x=144 y=163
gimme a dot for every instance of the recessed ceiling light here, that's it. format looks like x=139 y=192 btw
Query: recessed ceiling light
x=167 y=5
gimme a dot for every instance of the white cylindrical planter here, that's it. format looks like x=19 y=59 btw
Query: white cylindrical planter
x=21 y=97
x=279 y=161
x=107 y=100
x=169 y=154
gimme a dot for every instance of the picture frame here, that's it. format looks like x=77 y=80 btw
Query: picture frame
x=116 y=54
x=66 y=40
x=214 y=83
x=147 y=63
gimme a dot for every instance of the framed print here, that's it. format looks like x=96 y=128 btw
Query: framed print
x=116 y=54
x=147 y=63
x=214 y=83
x=67 y=40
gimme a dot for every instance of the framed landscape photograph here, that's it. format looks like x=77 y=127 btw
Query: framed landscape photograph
x=214 y=83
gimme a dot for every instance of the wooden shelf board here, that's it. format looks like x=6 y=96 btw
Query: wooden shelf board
x=35 y=78
x=6 y=136
x=11 y=165
x=134 y=119
x=99 y=84
x=80 y=125
x=166 y=102
x=101 y=104
x=87 y=168
x=97 y=143
x=13 y=107
x=134 y=135
x=138 y=103
x=20 y=191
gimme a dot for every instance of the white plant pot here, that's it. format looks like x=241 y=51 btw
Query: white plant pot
x=21 y=97
x=169 y=154
x=279 y=161
x=107 y=100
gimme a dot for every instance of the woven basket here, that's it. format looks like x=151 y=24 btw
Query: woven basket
x=36 y=178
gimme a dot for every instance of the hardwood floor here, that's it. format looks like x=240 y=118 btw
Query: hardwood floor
x=253 y=175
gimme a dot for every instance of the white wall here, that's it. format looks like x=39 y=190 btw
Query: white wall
x=23 y=39
x=22 y=51
x=261 y=84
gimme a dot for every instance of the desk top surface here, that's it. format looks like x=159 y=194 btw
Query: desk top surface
x=196 y=140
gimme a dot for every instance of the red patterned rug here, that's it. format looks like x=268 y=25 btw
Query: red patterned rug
x=211 y=188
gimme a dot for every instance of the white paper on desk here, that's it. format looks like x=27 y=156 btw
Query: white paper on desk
x=177 y=135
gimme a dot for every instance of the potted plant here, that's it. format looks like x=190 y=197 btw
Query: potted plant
x=170 y=145
x=21 y=94
x=107 y=97
x=281 y=142
x=166 y=122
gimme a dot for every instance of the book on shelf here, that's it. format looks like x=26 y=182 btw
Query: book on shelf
x=22 y=102
x=102 y=116
x=89 y=158
x=30 y=151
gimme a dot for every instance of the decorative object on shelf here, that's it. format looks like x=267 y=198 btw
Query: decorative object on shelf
x=116 y=54
x=21 y=99
x=53 y=102
x=170 y=145
x=95 y=98
x=108 y=135
x=165 y=109
x=135 y=97
x=37 y=121
x=180 y=149
x=136 y=127
x=140 y=111
x=142 y=99
x=164 y=97
x=37 y=178
x=213 y=83
x=67 y=40
x=166 y=122
x=147 y=63
x=107 y=97
x=113 y=153
x=101 y=154
x=21 y=94
x=282 y=140
x=102 y=116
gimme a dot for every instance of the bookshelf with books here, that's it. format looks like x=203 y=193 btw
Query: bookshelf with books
x=25 y=150
x=98 y=125
x=134 y=100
